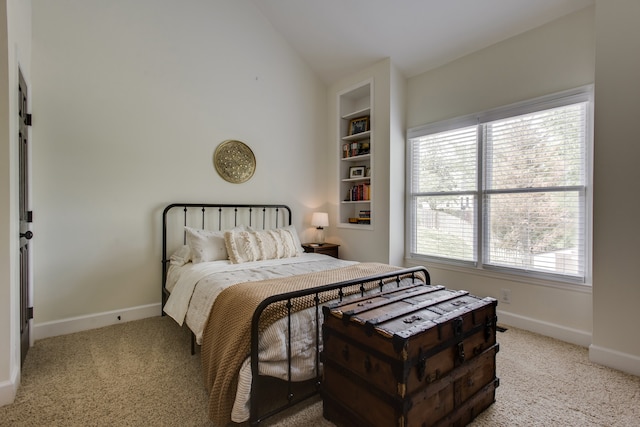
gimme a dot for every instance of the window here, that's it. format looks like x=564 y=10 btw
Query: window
x=506 y=189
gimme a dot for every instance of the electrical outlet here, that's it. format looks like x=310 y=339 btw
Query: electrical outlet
x=505 y=296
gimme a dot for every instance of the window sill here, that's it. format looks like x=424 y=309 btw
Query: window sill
x=529 y=280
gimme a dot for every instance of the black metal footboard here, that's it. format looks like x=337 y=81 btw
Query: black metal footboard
x=266 y=399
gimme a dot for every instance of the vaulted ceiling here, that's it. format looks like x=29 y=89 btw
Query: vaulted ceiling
x=339 y=37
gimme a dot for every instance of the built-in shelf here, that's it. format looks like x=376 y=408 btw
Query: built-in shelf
x=356 y=179
x=356 y=158
x=358 y=136
x=356 y=153
x=356 y=114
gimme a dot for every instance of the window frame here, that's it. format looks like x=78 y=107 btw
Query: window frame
x=582 y=94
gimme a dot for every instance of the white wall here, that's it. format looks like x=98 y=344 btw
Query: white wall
x=8 y=371
x=130 y=101
x=551 y=58
x=383 y=243
x=15 y=51
x=397 y=138
x=617 y=151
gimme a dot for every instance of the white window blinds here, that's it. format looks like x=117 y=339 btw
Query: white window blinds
x=508 y=191
x=444 y=186
x=535 y=191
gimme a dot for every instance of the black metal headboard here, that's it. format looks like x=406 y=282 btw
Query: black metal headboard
x=212 y=216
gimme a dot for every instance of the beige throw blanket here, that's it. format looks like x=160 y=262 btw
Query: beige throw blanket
x=226 y=339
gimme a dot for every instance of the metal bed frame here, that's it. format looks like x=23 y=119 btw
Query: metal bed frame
x=215 y=216
x=273 y=216
x=321 y=295
x=257 y=216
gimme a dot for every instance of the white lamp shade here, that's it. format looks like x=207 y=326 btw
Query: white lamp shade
x=320 y=219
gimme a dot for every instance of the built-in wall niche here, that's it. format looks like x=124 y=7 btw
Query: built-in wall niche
x=356 y=148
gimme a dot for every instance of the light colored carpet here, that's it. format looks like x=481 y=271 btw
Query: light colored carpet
x=141 y=374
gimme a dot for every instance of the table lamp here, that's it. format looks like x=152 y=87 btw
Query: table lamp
x=320 y=220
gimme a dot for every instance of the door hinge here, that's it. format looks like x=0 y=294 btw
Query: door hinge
x=28 y=120
x=29 y=216
x=30 y=312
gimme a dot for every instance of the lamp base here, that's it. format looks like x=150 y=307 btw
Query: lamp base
x=320 y=236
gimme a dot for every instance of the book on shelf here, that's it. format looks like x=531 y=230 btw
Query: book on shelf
x=361 y=192
x=356 y=148
x=360 y=220
x=366 y=191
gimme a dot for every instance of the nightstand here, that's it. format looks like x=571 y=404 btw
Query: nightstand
x=330 y=249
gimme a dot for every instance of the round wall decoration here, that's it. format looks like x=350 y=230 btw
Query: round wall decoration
x=234 y=161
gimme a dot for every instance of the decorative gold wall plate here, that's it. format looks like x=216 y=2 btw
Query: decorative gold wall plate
x=234 y=161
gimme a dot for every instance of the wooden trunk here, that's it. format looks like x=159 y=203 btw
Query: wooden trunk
x=414 y=356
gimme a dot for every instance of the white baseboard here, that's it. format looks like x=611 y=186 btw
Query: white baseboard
x=615 y=359
x=601 y=355
x=93 y=321
x=562 y=333
x=8 y=389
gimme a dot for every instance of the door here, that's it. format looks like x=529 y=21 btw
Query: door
x=26 y=311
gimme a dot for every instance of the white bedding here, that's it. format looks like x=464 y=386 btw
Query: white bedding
x=193 y=303
x=194 y=288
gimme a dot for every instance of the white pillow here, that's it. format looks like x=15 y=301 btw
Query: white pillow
x=245 y=246
x=206 y=245
x=296 y=239
x=181 y=256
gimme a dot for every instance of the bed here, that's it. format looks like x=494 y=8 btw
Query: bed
x=237 y=277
